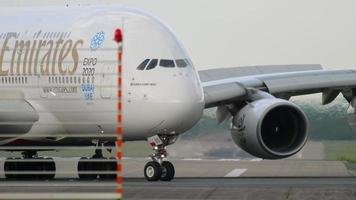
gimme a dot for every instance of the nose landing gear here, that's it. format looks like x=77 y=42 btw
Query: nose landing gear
x=159 y=168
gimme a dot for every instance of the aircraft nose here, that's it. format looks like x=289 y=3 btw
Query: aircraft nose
x=185 y=105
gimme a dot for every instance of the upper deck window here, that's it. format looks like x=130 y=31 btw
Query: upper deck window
x=166 y=63
x=143 y=65
x=181 y=63
x=152 y=64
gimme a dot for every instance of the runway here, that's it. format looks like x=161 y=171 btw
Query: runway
x=187 y=188
x=243 y=188
x=205 y=179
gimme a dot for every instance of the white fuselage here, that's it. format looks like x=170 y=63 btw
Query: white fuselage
x=64 y=63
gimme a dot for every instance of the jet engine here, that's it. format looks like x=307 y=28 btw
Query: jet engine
x=270 y=128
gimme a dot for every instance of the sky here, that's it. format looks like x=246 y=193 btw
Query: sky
x=229 y=33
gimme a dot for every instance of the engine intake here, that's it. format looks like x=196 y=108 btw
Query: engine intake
x=270 y=128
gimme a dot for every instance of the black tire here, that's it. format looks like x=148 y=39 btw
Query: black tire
x=110 y=165
x=85 y=165
x=167 y=171
x=153 y=171
x=42 y=168
x=10 y=167
x=49 y=167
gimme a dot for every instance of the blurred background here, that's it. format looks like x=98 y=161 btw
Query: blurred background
x=229 y=33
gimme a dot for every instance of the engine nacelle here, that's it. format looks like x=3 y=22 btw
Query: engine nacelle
x=270 y=128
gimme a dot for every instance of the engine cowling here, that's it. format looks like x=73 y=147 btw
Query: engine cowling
x=270 y=128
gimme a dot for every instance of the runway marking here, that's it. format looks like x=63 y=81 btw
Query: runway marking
x=229 y=159
x=255 y=159
x=235 y=173
x=192 y=159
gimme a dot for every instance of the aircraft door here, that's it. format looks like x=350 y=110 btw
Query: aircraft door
x=107 y=77
x=109 y=62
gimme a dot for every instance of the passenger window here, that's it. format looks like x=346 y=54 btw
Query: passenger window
x=143 y=65
x=152 y=64
x=166 y=63
x=181 y=63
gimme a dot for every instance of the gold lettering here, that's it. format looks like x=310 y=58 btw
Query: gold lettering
x=59 y=42
x=20 y=47
x=46 y=58
x=30 y=60
x=40 y=45
x=75 y=56
x=3 y=50
x=63 y=54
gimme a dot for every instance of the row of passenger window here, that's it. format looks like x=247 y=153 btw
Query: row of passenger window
x=71 y=80
x=149 y=64
x=13 y=80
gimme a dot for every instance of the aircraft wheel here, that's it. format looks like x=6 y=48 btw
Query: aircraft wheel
x=85 y=169
x=10 y=167
x=167 y=171
x=42 y=168
x=109 y=168
x=49 y=167
x=153 y=171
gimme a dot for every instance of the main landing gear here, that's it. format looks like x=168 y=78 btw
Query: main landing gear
x=97 y=167
x=30 y=166
x=159 y=168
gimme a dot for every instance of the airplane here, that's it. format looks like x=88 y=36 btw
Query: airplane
x=58 y=87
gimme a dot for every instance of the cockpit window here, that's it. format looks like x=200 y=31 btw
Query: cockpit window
x=166 y=63
x=152 y=64
x=189 y=62
x=143 y=65
x=181 y=63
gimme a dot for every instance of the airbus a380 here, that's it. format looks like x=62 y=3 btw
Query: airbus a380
x=58 y=87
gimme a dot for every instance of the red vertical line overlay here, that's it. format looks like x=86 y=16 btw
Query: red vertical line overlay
x=119 y=178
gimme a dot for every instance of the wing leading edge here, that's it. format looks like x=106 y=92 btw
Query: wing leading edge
x=225 y=85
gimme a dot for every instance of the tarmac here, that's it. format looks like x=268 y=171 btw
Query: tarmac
x=205 y=179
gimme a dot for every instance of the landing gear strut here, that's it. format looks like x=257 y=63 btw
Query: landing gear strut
x=159 y=168
x=30 y=166
x=97 y=166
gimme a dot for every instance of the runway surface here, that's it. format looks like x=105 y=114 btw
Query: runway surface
x=187 y=188
x=243 y=188
x=205 y=179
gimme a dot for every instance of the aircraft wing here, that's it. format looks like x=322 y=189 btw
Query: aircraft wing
x=225 y=85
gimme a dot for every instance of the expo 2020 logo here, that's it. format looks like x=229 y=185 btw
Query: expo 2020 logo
x=97 y=40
